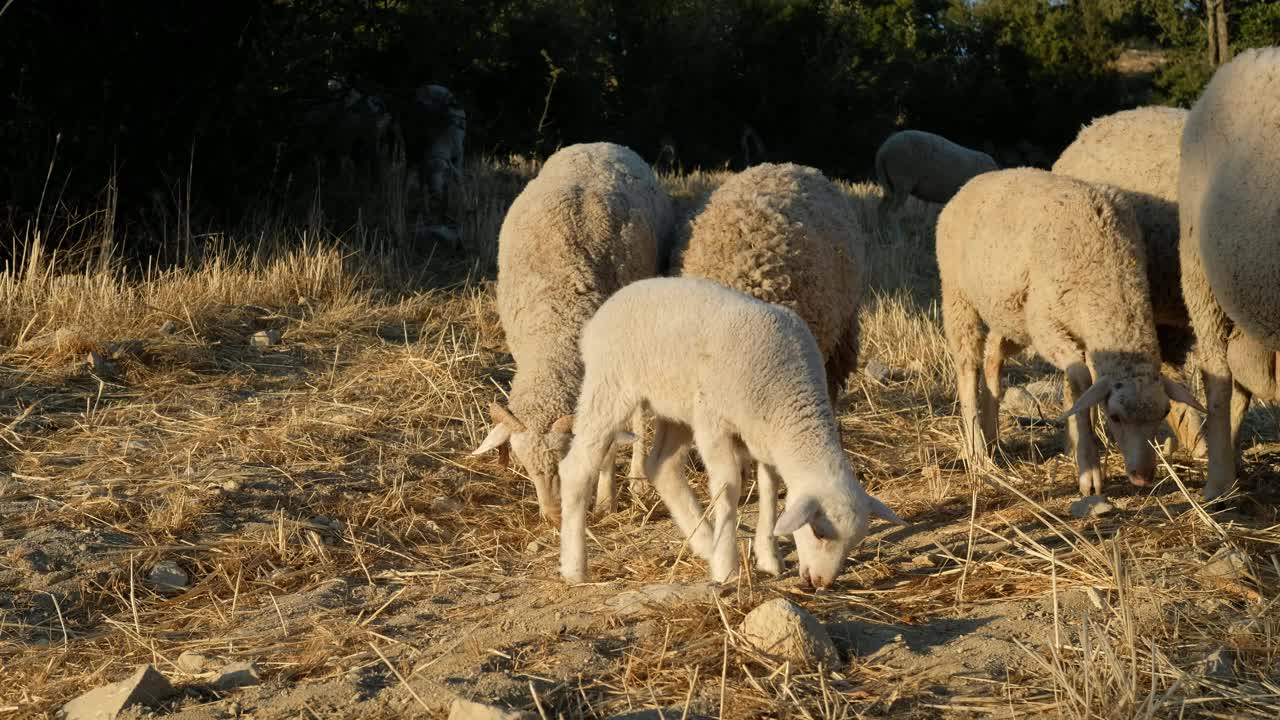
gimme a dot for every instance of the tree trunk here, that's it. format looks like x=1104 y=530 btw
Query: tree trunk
x=1216 y=29
x=1224 y=48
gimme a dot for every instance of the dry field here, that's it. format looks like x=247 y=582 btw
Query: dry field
x=318 y=496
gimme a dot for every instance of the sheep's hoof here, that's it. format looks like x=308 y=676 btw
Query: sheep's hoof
x=574 y=576
x=769 y=564
x=605 y=507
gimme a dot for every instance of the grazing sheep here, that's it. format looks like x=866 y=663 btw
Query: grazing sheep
x=1229 y=215
x=593 y=220
x=786 y=234
x=444 y=132
x=1058 y=264
x=1137 y=152
x=931 y=167
x=739 y=377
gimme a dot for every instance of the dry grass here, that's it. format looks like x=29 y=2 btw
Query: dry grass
x=320 y=497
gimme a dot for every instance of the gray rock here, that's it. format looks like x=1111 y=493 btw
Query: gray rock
x=168 y=327
x=783 y=629
x=878 y=371
x=237 y=675
x=446 y=504
x=145 y=686
x=467 y=710
x=653 y=599
x=193 y=662
x=167 y=575
x=1228 y=564
x=1017 y=401
x=266 y=338
x=1091 y=506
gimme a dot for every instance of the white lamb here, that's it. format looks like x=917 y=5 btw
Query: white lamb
x=1039 y=259
x=740 y=378
x=1229 y=216
x=594 y=219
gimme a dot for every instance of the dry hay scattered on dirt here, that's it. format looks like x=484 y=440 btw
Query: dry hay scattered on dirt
x=318 y=496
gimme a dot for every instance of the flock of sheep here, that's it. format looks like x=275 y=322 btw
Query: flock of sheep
x=735 y=330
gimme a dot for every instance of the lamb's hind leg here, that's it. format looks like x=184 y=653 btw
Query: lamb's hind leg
x=636 y=478
x=666 y=467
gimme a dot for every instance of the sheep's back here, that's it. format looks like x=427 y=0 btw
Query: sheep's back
x=784 y=234
x=1229 y=194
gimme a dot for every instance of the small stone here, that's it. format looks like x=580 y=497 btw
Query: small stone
x=467 y=710
x=784 y=629
x=533 y=547
x=1091 y=506
x=878 y=371
x=446 y=504
x=231 y=485
x=1228 y=564
x=1220 y=665
x=266 y=338
x=99 y=364
x=167 y=575
x=662 y=596
x=238 y=675
x=193 y=662
x=138 y=445
x=168 y=327
x=1017 y=401
x=145 y=686
x=492 y=598
x=922 y=560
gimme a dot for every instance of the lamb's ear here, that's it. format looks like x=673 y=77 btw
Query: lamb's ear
x=562 y=425
x=503 y=416
x=1176 y=391
x=497 y=438
x=1094 y=395
x=882 y=511
x=798 y=514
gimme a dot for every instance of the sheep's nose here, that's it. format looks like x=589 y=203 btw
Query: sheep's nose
x=820 y=582
x=1141 y=478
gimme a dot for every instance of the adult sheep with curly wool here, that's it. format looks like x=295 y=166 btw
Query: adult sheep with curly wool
x=929 y=166
x=593 y=220
x=1138 y=151
x=1229 y=220
x=785 y=234
x=1030 y=258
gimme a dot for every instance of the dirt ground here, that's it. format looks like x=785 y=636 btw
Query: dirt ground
x=318 y=495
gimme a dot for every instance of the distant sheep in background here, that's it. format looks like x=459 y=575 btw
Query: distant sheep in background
x=593 y=220
x=929 y=166
x=1229 y=208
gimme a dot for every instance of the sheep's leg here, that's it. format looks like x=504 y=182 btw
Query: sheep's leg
x=998 y=348
x=666 y=467
x=963 y=328
x=768 y=559
x=1240 y=398
x=637 y=480
x=725 y=484
x=1057 y=346
x=606 y=491
x=590 y=445
x=1218 y=431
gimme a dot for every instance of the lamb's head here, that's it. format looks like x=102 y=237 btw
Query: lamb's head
x=539 y=451
x=826 y=526
x=1134 y=406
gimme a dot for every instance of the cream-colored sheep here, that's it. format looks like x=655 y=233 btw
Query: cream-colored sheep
x=785 y=234
x=1137 y=151
x=929 y=166
x=1229 y=215
x=594 y=219
x=739 y=378
x=1039 y=259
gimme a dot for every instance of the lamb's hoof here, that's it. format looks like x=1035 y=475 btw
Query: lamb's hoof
x=1091 y=483
x=574 y=576
x=605 y=507
x=769 y=565
x=640 y=487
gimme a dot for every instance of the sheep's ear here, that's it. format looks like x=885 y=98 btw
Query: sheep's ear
x=882 y=511
x=562 y=425
x=497 y=438
x=798 y=514
x=502 y=416
x=1176 y=391
x=1094 y=395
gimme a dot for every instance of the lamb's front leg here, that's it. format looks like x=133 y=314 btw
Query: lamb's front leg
x=606 y=490
x=584 y=457
x=1080 y=429
x=768 y=559
x=724 y=475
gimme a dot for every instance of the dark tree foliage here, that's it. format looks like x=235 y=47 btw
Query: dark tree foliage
x=173 y=95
